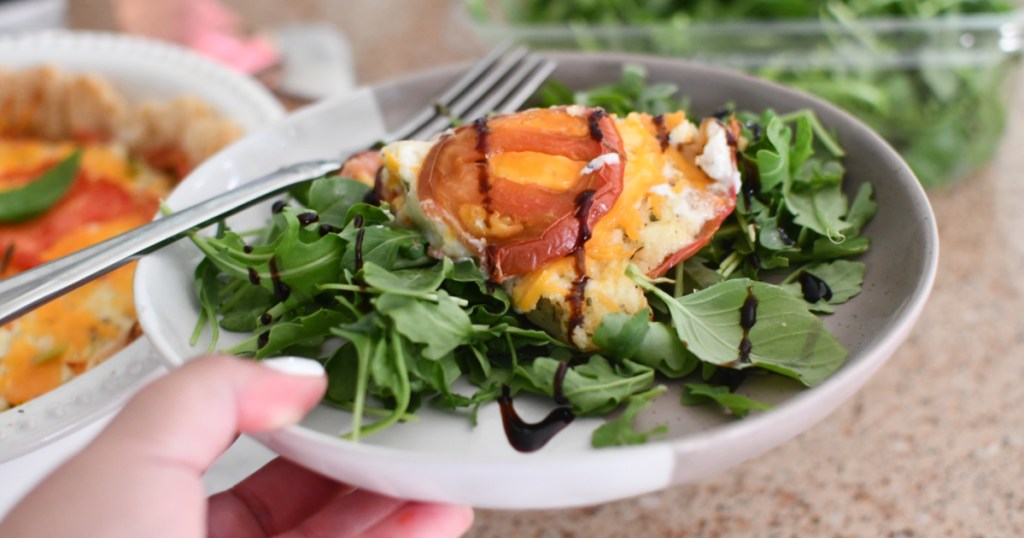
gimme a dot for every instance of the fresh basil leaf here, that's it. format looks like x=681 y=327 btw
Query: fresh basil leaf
x=22 y=203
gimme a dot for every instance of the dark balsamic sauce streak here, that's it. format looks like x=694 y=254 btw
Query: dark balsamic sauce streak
x=376 y=195
x=247 y=249
x=262 y=340
x=281 y=290
x=358 y=223
x=751 y=185
x=266 y=318
x=305 y=219
x=558 y=384
x=278 y=206
x=728 y=377
x=755 y=130
x=529 y=437
x=483 y=177
x=748 y=317
x=594 y=125
x=483 y=181
x=720 y=114
x=662 y=131
x=254 y=277
x=814 y=288
x=584 y=202
x=325 y=229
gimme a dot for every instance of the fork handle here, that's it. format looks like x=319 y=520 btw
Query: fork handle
x=26 y=290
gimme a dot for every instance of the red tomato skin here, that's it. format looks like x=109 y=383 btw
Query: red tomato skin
x=88 y=200
x=454 y=174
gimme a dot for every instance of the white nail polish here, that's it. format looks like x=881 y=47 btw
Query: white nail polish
x=295 y=366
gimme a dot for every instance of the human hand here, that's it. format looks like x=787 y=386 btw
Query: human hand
x=143 y=475
x=207 y=26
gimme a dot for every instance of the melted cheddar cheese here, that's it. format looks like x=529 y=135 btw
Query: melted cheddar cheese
x=668 y=197
x=65 y=337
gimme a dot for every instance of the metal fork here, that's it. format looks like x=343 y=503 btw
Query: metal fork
x=500 y=82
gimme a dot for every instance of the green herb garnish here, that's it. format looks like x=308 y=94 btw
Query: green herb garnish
x=27 y=201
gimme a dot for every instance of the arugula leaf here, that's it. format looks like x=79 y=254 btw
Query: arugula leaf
x=594 y=387
x=786 y=338
x=622 y=430
x=331 y=198
x=646 y=342
x=440 y=325
x=736 y=404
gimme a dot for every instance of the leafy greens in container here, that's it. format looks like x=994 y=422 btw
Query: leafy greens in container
x=338 y=279
x=930 y=76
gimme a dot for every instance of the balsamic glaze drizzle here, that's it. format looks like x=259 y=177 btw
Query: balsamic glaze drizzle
x=751 y=185
x=358 y=223
x=376 y=195
x=247 y=249
x=483 y=176
x=748 y=317
x=262 y=340
x=278 y=206
x=266 y=318
x=662 y=131
x=814 y=288
x=529 y=437
x=254 y=277
x=325 y=229
x=307 y=218
x=584 y=202
x=594 y=125
x=559 y=384
x=281 y=290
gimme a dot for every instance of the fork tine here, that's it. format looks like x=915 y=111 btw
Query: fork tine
x=507 y=92
x=526 y=88
x=428 y=114
x=458 y=107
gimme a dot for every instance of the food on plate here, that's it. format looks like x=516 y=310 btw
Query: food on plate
x=80 y=164
x=588 y=251
x=556 y=203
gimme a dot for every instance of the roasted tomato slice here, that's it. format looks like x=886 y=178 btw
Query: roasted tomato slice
x=522 y=189
x=723 y=200
x=88 y=200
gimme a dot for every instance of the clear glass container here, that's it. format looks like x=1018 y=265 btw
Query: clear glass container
x=934 y=88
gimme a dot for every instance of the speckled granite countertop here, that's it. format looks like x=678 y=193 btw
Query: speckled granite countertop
x=932 y=446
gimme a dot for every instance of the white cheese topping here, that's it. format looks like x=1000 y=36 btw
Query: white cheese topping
x=717 y=158
x=599 y=162
x=684 y=133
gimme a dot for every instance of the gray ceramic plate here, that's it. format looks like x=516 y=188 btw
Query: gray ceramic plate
x=441 y=457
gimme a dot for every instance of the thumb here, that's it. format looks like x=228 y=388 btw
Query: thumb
x=142 y=475
x=194 y=413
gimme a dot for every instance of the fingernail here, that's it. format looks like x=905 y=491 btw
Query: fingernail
x=296 y=366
